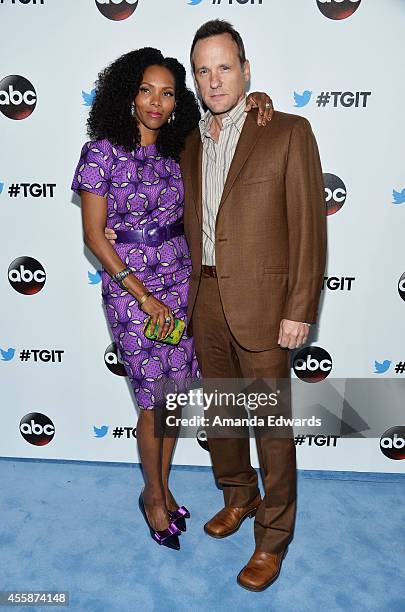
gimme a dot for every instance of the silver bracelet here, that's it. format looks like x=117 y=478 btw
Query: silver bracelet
x=119 y=277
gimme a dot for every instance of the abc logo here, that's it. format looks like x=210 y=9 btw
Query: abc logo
x=202 y=438
x=37 y=429
x=335 y=193
x=17 y=97
x=401 y=286
x=26 y=275
x=392 y=443
x=312 y=364
x=113 y=361
x=338 y=9
x=116 y=10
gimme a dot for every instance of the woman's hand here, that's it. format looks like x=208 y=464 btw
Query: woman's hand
x=151 y=306
x=263 y=102
x=159 y=313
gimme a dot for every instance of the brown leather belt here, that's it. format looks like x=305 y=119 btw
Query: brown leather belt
x=210 y=271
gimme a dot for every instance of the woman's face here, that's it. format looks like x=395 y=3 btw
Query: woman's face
x=155 y=100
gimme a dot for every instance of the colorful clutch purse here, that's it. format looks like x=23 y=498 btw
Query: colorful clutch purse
x=174 y=338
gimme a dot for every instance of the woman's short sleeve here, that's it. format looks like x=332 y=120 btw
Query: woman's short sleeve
x=93 y=171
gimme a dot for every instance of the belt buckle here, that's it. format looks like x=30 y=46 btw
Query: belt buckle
x=152 y=234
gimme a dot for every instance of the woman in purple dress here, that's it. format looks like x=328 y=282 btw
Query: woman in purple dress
x=129 y=179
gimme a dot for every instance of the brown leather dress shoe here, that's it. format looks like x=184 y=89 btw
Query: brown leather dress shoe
x=261 y=570
x=228 y=520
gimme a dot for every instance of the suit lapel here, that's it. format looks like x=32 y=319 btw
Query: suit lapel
x=247 y=140
x=196 y=173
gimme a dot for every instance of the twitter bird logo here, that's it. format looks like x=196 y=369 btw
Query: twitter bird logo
x=1 y=187
x=8 y=354
x=302 y=99
x=88 y=98
x=94 y=277
x=194 y=2
x=100 y=432
x=398 y=196
x=380 y=368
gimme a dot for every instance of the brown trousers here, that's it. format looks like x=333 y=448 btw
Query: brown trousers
x=220 y=356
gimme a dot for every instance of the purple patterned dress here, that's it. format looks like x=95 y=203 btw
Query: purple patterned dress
x=142 y=187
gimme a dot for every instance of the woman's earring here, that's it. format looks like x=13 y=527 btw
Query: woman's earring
x=133 y=109
x=172 y=117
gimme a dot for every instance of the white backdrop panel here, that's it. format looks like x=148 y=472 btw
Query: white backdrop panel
x=60 y=46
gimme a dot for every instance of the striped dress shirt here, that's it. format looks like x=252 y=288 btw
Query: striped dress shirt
x=216 y=161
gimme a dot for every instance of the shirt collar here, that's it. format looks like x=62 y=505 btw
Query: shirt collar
x=235 y=117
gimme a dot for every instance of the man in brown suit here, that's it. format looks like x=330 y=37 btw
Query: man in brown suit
x=255 y=224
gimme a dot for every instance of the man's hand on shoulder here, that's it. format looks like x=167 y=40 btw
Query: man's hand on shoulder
x=292 y=334
x=263 y=102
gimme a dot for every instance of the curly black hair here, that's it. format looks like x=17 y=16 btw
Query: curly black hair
x=116 y=87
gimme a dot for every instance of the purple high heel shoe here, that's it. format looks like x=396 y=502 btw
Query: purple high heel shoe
x=178 y=517
x=167 y=537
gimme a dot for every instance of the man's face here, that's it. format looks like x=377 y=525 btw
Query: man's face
x=220 y=78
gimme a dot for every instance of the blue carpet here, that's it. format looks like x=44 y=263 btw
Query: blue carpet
x=76 y=527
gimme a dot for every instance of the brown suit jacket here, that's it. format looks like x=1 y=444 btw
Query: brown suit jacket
x=270 y=239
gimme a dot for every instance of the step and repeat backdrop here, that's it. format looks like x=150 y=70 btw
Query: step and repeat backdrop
x=64 y=392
